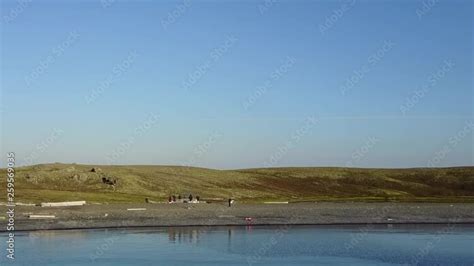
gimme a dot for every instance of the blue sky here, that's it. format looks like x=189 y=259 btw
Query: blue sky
x=238 y=84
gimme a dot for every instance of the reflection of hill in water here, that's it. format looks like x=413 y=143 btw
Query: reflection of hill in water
x=54 y=234
x=387 y=244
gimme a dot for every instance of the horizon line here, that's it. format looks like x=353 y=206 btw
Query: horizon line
x=236 y=169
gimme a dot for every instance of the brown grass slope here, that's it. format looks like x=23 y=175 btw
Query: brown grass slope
x=57 y=182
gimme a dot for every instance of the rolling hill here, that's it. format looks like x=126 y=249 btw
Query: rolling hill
x=58 y=182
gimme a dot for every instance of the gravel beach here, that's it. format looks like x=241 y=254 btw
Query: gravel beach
x=163 y=214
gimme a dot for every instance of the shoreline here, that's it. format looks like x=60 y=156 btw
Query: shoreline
x=116 y=216
x=329 y=225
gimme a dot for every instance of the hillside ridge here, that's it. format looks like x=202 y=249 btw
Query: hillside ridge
x=134 y=183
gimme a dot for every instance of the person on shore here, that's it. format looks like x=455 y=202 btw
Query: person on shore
x=170 y=199
x=190 y=197
x=197 y=198
x=174 y=198
x=230 y=202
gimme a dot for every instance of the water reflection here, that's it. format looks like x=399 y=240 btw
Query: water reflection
x=193 y=235
x=54 y=234
x=244 y=245
x=383 y=243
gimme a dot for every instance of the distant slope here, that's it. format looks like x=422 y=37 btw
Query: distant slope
x=52 y=182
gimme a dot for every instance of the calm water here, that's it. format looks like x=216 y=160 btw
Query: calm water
x=300 y=245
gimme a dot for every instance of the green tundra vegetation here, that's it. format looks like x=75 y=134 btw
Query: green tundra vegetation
x=64 y=182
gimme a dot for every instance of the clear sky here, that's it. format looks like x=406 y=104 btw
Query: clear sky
x=236 y=84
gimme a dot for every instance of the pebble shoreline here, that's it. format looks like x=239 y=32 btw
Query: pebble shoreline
x=215 y=214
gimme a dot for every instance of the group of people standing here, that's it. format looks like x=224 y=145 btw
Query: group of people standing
x=190 y=198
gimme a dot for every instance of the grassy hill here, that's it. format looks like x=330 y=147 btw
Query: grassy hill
x=57 y=182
